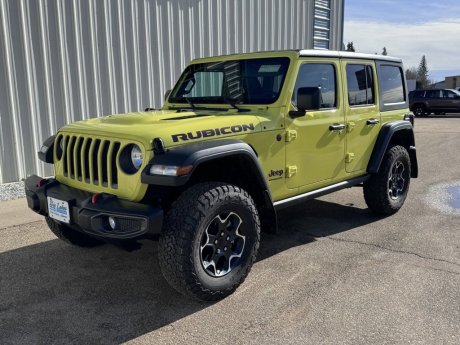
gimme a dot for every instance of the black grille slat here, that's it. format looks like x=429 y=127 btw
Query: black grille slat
x=103 y=161
x=115 y=151
x=72 y=142
x=64 y=154
x=77 y=157
x=86 y=157
x=94 y=158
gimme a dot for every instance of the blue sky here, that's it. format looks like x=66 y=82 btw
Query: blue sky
x=408 y=29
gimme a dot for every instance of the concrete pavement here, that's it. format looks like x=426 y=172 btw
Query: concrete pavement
x=335 y=274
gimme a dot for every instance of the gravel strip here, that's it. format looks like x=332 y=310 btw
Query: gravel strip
x=11 y=191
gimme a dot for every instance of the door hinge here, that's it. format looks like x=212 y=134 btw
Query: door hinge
x=291 y=170
x=350 y=126
x=349 y=157
x=291 y=135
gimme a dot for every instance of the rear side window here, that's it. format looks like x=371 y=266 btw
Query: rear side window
x=318 y=75
x=450 y=94
x=360 y=83
x=391 y=85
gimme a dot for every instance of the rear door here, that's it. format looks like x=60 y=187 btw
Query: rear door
x=434 y=99
x=362 y=112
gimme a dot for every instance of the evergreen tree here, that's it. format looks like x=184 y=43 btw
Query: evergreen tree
x=422 y=73
x=384 y=51
x=411 y=73
x=350 y=47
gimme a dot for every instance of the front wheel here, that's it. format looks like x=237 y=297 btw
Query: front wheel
x=210 y=240
x=420 y=110
x=386 y=191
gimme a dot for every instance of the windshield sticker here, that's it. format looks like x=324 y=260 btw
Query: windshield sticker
x=206 y=133
x=269 y=68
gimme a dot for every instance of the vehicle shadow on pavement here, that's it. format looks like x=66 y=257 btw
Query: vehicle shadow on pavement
x=52 y=292
x=303 y=223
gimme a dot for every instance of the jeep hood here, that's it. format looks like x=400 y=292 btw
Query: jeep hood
x=174 y=128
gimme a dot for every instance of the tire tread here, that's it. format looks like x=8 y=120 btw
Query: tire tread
x=179 y=232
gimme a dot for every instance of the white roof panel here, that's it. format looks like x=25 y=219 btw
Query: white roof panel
x=344 y=54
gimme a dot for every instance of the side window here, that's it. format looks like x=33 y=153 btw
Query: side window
x=449 y=94
x=391 y=84
x=360 y=83
x=321 y=76
x=432 y=94
x=419 y=94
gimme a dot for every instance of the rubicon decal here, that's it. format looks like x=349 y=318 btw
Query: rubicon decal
x=212 y=132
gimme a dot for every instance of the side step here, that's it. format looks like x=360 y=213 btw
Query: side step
x=280 y=204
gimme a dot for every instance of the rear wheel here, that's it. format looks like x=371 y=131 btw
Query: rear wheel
x=386 y=191
x=210 y=240
x=70 y=235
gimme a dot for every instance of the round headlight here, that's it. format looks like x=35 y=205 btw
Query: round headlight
x=136 y=157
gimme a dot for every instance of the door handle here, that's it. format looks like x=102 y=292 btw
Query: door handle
x=337 y=127
x=372 y=122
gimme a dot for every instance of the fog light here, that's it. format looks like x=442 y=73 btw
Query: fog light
x=112 y=223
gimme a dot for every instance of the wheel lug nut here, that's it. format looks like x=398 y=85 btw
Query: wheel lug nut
x=218 y=251
x=215 y=242
x=228 y=238
x=222 y=234
x=225 y=249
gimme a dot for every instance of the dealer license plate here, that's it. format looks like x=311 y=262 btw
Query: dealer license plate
x=58 y=210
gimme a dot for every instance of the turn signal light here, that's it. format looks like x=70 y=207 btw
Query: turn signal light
x=170 y=170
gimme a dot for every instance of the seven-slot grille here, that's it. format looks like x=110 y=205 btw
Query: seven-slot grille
x=90 y=160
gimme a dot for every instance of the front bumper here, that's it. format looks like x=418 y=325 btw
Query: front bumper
x=134 y=220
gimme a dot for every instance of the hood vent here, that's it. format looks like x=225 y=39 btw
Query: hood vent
x=186 y=117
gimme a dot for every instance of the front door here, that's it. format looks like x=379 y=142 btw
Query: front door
x=316 y=142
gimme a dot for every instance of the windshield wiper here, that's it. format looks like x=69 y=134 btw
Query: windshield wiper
x=232 y=103
x=190 y=103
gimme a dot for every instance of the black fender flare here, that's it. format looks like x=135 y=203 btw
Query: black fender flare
x=196 y=154
x=387 y=132
x=46 y=150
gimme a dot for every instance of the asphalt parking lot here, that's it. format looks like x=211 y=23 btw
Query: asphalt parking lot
x=335 y=274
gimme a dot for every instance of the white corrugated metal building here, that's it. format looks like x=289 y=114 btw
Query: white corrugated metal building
x=67 y=60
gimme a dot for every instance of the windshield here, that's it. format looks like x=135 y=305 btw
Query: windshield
x=250 y=81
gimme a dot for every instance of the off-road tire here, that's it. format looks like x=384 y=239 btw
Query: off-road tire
x=180 y=248
x=377 y=189
x=71 y=236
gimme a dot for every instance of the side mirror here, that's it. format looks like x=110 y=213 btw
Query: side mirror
x=308 y=98
x=167 y=93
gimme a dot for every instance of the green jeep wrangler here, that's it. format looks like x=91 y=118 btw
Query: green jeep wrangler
x=238 y=138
